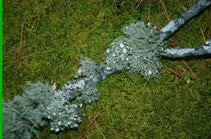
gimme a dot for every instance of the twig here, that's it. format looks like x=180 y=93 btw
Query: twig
x=164 y=7
x=91 y=123
x=203 y=36
x=186 y=52
x=21 y=42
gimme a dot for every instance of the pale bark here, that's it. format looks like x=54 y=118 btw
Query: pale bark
x=176 y=24
x=187 y=52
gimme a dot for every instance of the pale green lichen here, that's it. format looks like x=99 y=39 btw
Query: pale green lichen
x=89 y=94
x=25 y=114
x=137 y=51
x=88 y=68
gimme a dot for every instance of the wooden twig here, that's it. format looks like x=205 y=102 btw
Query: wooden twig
x=173 y=53
x=203 y=36
x=91 y=123
x=166 y=12
x=21 y=42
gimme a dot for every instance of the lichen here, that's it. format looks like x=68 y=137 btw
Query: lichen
x=137 y=51
x=63 y=31
x=89 y=94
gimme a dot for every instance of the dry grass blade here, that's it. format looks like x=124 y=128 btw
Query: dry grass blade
x=174 y=72
x=188 y=67
x=203 y=35
x=21 y=42
x=164 y=7
x=91 y=123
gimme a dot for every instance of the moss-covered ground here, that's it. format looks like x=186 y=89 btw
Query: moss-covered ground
x=55 y=34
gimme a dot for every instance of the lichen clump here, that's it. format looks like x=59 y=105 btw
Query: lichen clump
x=89 y=67
x=26 y=113
x=137 y=51
x=89 y=94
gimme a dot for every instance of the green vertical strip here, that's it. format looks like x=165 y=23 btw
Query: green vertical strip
x=1 y=74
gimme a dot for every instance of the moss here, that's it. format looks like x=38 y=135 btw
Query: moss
x=57 y=33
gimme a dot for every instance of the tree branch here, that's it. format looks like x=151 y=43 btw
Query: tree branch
x=176 y=24
x=187 y=52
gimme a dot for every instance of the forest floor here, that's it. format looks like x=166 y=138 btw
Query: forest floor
x=44 y=40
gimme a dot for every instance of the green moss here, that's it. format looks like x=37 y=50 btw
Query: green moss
x=132 y=107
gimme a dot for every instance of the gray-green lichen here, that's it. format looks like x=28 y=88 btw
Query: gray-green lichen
x=88 y=68
x=89 y=94
x=63 y=116
x=137 y=51
x=24 y=115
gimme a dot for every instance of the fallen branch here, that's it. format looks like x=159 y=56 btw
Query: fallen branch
x=176 y=24
x=187 y=52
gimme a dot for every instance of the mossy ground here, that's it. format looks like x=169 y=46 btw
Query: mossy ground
x=57 y=33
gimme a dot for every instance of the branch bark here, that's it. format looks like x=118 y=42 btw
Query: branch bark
x=187 y=52
x=71 y=90
x=176 y=24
